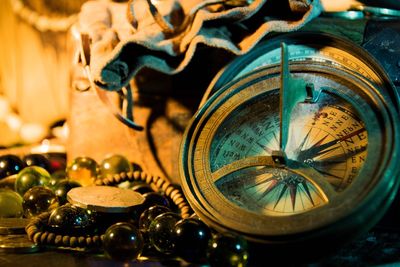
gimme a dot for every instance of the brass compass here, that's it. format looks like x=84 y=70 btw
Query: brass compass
x=306 y=148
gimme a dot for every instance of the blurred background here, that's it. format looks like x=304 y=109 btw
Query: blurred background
x=36 y=55
x=36 y=59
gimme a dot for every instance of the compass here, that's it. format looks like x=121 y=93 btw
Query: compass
x=299 y=142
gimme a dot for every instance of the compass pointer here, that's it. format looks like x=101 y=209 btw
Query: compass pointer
x=342 y=157
x=303 y=142
x=317 y=148
x=326 y=151
x=321 y=140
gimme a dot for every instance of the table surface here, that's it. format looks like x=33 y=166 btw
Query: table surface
x=378 y=247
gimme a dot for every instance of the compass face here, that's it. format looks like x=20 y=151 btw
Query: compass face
x=327 y=136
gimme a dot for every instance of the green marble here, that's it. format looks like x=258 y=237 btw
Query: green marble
x=115 y=164
x=30 y=177
x=10 y=204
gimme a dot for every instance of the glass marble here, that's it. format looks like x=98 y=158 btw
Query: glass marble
x=123 y=242
x=39 y=160
x=149 y=215
x=191 y=239
x=71 y=220
x=30 y=177
x=227 y=250
x=115 y=164
x=83 y=170
x=161 y=232
x=61 y=189
x=9 y=165
x=10 y=204
x=38 y=199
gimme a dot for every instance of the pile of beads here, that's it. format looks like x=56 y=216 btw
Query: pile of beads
x=159 y=227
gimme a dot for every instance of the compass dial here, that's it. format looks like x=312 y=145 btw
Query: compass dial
x=327 y=136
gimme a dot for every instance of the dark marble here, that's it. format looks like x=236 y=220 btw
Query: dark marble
x=123 y=242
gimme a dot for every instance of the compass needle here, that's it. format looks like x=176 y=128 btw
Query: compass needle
x=318 y=143
x=337 y=159
x=326 y=151
x=318 y=147
x=305 y=139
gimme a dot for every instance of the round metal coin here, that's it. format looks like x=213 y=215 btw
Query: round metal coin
x=13 y=226
x=105 y=198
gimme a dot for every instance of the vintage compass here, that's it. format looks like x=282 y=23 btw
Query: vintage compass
x=301 y=150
